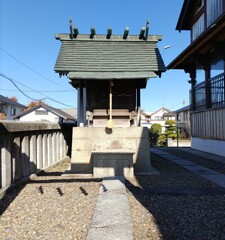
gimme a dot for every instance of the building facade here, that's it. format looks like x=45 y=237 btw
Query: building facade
x=9 y=108
x=204 y=59
x=45 y=113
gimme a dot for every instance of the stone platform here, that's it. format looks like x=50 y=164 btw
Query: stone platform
x=93 y=148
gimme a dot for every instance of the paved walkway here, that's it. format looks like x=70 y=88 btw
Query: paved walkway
x=112 y=218
x=204 y=172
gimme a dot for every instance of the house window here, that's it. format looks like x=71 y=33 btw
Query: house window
x=41 y=112
x=200 y=96
x=198 y=28
x=13 y=111
x=214 y=10
x=158 y=118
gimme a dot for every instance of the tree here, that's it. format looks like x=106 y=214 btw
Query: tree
x=34 y=103
x=154 y=132
x=171 y=130
x=15 y=99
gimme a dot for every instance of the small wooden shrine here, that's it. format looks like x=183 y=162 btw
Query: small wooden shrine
x=109 y=72
x=96 y=64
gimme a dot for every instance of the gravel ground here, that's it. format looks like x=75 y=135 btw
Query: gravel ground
x=49 y=207
x=176 y=215
x=61 y=207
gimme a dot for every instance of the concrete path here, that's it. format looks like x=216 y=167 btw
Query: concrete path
x=112 y=218
x=204 y=172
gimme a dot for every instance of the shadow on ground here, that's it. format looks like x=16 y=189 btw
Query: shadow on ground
x=182 y=204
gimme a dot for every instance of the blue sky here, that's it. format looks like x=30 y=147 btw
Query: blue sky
x=28 y=49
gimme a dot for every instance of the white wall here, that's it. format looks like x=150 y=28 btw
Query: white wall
x=50 y=117
x=208 y=145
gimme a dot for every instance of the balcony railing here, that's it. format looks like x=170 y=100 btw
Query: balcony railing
x=217 y=91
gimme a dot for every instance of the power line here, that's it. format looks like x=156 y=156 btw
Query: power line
x=48 y=91
x=36 y=72
x=46 y=97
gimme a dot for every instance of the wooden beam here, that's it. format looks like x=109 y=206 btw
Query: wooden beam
x=142 y=33
x=109 y=33
x=93 y=32
x=71 y=29
x=75 y=32
x=126 y=33
x=147 y=29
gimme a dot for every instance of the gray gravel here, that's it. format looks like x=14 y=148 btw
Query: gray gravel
x=61 y=207
x=49 y=207
x=177 y=215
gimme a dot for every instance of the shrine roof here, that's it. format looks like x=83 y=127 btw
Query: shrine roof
x=113 y=57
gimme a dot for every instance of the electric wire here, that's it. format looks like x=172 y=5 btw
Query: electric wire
x=46 y=97
x=36 y=72
x=46 y=91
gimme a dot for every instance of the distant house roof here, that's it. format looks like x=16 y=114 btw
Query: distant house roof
x=5 y=100
x=113 y=58
x=164 y=109
x=186 y=108
x=56 y=111
x=70 y=111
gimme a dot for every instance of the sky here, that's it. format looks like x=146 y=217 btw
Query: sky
x=28 y=48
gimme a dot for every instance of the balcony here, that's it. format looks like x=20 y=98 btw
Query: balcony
x=215 y=95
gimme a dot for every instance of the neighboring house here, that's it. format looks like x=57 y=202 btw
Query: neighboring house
x=43 y=112
x=203 y=59
x=183 y=120
x=71 y=111
x=9 y=108
x=160 y=117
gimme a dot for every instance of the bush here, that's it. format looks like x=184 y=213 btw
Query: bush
x=154 y=133
x=171 y=129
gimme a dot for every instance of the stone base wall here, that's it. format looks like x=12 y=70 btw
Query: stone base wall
x=26 y=148
x=209 y=145
x=180 y=143
x=86 y=141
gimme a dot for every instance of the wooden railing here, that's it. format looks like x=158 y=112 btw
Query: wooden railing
x=29 y=147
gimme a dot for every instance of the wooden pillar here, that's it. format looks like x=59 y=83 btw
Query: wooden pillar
x=191 y=69
x=81 y=105
x=138 y=97
x=207 y=84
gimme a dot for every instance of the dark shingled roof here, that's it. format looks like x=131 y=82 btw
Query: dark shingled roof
x=5 y=100
x=115 y=58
